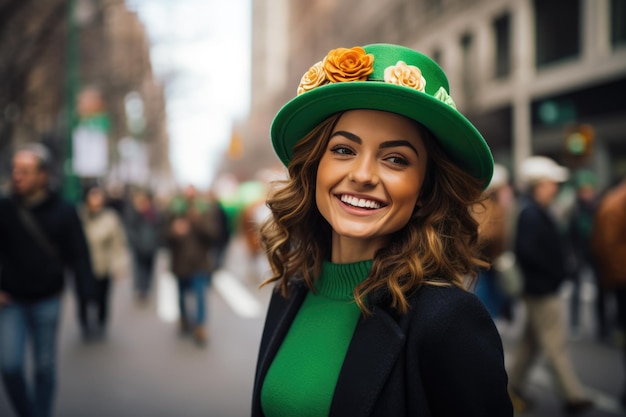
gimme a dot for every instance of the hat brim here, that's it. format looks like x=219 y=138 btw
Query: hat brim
x=459 y=139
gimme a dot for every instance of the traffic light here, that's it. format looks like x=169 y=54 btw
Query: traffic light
x=579 y=140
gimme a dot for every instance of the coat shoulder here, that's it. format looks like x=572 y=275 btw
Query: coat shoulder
x=437 y=300
x=445 y=312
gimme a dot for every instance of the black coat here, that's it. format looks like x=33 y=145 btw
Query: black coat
x=540 y=250
x=27 y=270
x=443 y=358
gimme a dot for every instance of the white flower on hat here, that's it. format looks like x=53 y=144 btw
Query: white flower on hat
x=314 y=77
x=405 y=75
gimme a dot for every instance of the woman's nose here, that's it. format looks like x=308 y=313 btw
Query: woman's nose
x=364 y=171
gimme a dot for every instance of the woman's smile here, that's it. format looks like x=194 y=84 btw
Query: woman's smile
x=360 y=202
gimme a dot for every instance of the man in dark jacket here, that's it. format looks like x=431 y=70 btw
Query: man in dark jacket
x=40 y=236
x=540 y=252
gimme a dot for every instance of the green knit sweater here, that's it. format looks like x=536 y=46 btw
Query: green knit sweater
x=302 y=378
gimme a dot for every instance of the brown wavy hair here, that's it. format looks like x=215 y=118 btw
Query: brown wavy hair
x=438 y=246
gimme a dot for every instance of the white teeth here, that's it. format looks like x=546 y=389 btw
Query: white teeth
x=360 y=202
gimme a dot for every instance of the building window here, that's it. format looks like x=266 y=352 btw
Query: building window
x=437 y=56
x=502 y=32
x=434 y=5
x=558 y=31
x=467 y=47
x=618 y=22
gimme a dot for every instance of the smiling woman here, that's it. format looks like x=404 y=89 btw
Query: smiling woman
x=371 y=244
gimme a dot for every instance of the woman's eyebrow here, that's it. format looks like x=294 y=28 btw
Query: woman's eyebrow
x=399 y=142
x=347 y=135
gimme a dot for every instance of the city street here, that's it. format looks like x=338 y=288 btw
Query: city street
x=145 y=368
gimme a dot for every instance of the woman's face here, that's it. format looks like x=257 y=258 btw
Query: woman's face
x=95 y=200
x=369 y=178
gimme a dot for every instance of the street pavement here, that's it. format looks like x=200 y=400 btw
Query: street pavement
x=598 y=364
x=145 y=368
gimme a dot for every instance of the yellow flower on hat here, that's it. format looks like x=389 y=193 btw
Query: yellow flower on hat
x=348 y=64
x=314 y=77
x=405 y=75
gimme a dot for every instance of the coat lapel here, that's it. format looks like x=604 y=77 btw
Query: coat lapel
x=372 y=353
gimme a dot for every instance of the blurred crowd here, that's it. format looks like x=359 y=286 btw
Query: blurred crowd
x=111 y=234
x=551 y=229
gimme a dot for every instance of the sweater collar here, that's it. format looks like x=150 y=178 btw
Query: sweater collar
x=337 y=281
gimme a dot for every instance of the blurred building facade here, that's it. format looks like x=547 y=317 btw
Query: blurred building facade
x=535 y=76
x=70 y=51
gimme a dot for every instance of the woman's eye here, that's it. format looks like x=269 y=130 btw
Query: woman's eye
x=397 y=160
x=341 y=150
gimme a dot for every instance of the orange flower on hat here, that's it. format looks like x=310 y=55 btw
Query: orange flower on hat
x=314 y=77
x=405 y=75
x=348 y=64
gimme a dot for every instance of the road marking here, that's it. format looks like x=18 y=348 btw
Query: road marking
x=541 y=377
x=236 y=295
x=603 y=401
x=167 y=297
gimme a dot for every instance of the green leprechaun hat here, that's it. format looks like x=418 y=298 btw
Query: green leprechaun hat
x=383 y=77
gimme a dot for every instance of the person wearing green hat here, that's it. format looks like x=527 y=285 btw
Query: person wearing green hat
x=372 y=245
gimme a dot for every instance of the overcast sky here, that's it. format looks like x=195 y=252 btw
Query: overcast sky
x=202 y=48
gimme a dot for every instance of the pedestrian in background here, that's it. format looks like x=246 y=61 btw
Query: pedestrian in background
x=252 y=217
x=40 y=236
x=608 y=242
x=144 y=228
x=219 y=246
x=110 y=260
x=193 y=229
x=370 y=241
x=580 y=227
x=495 y=217
x=117 y=197
x=540 y=251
